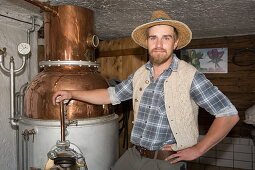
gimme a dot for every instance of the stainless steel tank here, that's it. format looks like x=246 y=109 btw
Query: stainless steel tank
x=69 y=65
x=97 y=139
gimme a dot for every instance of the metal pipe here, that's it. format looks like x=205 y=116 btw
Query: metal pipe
x=17 y=102
x=3 y=67
x=12 y=71
x=62 y=120
x=22 y=154
x=13 y=122
x=43 y=6
x=25 y=139
x=2 y=53
x=20 y=110
x=32 y=29
x=26 y=154
x=22 y=66
x=29 y=31
x=17 y=149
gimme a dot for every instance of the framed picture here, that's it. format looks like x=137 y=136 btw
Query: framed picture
x=207 y=60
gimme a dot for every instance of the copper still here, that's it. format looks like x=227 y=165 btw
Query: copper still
x=69 y=65
x=90 y=130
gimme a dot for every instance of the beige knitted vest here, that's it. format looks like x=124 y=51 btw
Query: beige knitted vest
x=182 y=111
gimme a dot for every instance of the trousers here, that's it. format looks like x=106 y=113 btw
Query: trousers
x=132 y=160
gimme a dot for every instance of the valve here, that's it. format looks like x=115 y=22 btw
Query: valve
x=26 y=133
x=63 y=156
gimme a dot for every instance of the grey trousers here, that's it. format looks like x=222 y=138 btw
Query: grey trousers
x=132 y=160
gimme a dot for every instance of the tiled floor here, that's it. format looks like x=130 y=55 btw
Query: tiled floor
x=196 y=166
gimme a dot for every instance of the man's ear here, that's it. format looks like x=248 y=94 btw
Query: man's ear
x=176 y=44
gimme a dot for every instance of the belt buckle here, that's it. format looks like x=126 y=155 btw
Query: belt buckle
x=140 y=150
x=143 y=151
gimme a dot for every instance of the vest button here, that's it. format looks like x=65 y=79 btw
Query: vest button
x=140 y=89
x=147 y=81
x=141 y=136
x=136 y=100
x=169 y=107
x=145 y=122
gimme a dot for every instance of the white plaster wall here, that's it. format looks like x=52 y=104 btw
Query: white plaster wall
x=10 y=37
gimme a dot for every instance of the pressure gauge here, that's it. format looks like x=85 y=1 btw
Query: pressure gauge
x=24 y=48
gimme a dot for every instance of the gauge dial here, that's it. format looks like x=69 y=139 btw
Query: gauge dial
x=24 y=48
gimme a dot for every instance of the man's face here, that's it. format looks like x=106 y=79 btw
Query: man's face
x=161 y=43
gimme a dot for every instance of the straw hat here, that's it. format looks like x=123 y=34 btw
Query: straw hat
x=139 y=34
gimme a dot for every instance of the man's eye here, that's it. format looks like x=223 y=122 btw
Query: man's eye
x=152 y=38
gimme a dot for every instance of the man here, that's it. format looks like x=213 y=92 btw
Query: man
x=166 y=93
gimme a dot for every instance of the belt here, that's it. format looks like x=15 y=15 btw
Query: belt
x=154 y=154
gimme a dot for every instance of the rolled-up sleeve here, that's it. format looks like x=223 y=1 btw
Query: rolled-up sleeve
x=122 y=91
x=227 y=111
x=209 y=97
x=113 y=97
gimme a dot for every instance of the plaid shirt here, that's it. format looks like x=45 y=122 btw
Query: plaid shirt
x=151 y=128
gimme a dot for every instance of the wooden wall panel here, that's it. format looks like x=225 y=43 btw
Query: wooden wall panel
x=119 y=58
x=115 y=65
x=120 y=66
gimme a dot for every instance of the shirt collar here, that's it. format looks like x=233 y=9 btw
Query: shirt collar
x=173 y=66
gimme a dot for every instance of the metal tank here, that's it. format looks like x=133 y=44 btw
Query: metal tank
x=91 y=130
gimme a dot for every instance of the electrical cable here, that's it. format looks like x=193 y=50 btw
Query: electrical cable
x=17 y=19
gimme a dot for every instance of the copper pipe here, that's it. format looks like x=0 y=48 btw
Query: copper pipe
x=62 y=120
x=43 y=6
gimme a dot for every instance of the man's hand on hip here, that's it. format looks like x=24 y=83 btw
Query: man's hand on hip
x=187 y=154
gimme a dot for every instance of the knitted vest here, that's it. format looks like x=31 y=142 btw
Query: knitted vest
x=182 y=111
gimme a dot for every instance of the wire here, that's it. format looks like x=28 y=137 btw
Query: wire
x=17 y=19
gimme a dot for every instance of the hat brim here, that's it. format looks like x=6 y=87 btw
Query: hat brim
x=139 y=34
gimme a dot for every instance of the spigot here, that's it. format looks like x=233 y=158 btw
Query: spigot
x=26 y=133
x=65 y=157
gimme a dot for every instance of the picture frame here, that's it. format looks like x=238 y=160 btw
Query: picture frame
x=207 y=60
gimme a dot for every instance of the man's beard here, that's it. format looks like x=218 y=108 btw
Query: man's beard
x=159 y=58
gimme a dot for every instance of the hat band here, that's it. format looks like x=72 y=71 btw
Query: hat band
x=160 y=19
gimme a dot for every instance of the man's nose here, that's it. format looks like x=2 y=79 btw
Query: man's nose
x=159 y=43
